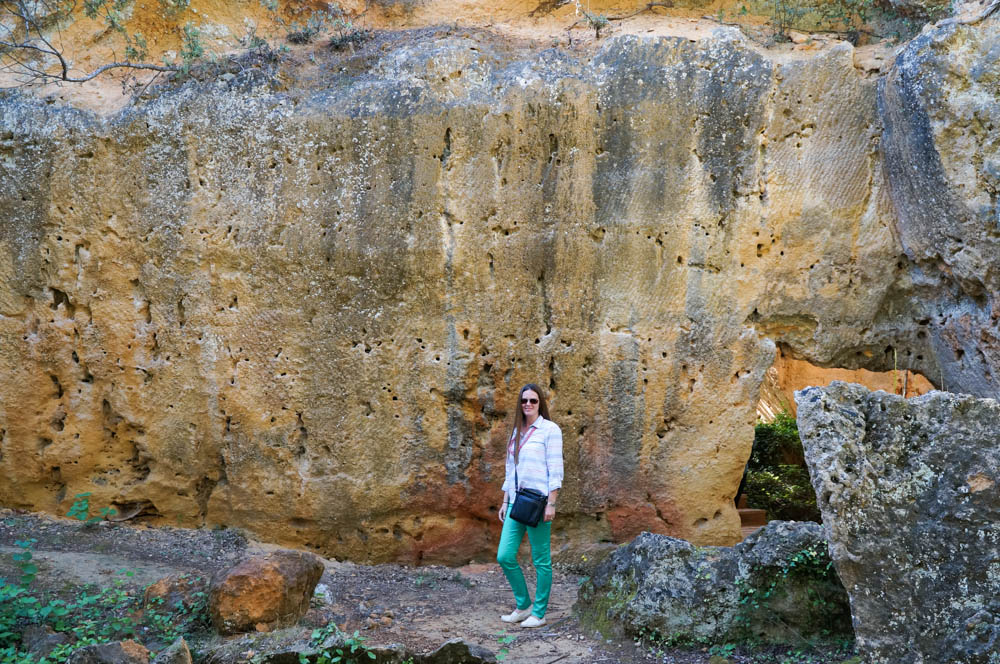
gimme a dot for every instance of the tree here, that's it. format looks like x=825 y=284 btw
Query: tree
x=31 y=46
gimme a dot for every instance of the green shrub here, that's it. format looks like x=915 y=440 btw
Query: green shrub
x=776 y=444
x=777 y=479
x=91 y=616
x=784 y=491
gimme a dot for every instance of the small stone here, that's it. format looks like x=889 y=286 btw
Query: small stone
x=119 y=652
x=176 y=653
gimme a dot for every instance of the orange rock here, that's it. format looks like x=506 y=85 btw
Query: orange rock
x=264 y=592
x=120 y=652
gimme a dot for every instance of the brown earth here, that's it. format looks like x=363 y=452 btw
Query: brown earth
x=417 y=607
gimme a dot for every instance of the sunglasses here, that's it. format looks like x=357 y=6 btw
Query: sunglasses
x=531 y=401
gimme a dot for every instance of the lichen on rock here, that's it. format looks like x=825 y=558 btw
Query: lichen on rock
x=906 y=489
x=776 y=586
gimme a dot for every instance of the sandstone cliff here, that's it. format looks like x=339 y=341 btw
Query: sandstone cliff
x=306 y=310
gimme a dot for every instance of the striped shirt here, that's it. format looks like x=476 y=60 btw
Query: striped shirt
x=540 y=462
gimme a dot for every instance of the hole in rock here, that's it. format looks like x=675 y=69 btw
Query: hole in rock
x=777 y=450
x=787 y=374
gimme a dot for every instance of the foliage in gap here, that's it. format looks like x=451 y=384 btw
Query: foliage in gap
x=777 y=479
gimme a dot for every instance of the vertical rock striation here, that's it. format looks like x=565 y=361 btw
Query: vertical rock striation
x=908 y=493
x=940 y=105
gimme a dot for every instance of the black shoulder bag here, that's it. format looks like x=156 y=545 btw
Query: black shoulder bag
x=529 y=504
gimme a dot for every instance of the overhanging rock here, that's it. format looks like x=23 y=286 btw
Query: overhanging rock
x=908 y=493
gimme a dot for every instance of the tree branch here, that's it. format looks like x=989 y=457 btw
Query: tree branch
x=35 y=40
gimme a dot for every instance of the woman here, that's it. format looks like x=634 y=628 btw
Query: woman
x=534 y=449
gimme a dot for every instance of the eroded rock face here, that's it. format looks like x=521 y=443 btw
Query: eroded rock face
x=770 y=587
x=908 y=493
x=307 y=312
x=941 y=108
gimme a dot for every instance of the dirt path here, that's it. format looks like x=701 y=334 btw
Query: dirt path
x=418 y=607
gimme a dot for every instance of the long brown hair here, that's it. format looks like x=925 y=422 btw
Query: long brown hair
x=543 y=410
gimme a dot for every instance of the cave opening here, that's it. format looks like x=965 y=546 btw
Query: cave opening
x=775 y=482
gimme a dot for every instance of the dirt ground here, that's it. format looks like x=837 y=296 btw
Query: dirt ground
x=417 y=607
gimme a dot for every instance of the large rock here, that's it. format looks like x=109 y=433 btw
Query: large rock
x=908 y=493
x=264 y=592
x=775 y=586
x=307 y=311
x=940 y=105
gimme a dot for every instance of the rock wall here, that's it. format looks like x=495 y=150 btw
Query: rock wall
x=907 y=489
x=306 y=311
x=941 y=109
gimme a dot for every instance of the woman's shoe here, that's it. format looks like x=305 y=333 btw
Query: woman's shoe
x=517 y=616
x=533 y=621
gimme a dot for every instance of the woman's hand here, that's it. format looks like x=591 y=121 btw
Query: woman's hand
x=503 y=512
x=550 y=512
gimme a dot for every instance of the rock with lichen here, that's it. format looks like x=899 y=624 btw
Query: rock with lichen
x=908 y=493
x=775 y=586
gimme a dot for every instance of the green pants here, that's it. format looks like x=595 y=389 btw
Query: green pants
x=510 y=542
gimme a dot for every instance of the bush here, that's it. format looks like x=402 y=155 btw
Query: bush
x=784 y=491
x=777 y=479
x=776 y=444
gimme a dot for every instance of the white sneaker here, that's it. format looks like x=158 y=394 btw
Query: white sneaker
x=517 y=616
x=533 y=621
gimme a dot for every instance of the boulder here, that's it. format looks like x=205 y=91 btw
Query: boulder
x=457 y=651
x=774 y=586
x=118 y=652
x=40 y=640
x=940 y=107
x=264 y=592
x=908 y=494
x=282 y=646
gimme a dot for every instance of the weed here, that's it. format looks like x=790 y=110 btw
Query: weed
x=191 y=45
x=725 y=650
x=303 y=34
x=92 y=617
x=784 y=14
x=23 y=560
x=504 y=640
x=596 y=21
x=345 y=33
x=80 y=510
x=174 y=7
x=348 y=649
